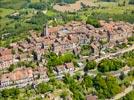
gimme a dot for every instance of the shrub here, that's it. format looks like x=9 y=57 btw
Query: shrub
x=93 y=22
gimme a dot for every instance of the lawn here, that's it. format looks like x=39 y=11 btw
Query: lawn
x=34 y=1
x=50 y=13
x=4 y=12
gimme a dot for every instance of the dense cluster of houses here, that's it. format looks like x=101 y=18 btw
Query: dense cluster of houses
x=24 y=76
x=6 y=57
x=61 y=39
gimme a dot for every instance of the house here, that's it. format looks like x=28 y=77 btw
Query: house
x=95 y=49
x=91 y=97
x=83 y=39
x=57 y=48
x=126 y=69
x=6 y=58
x=19 y=77
x=40 y=73
x=60 y=69
x=70 y=67
x=23 y=76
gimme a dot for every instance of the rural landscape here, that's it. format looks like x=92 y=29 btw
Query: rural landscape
x=66 y=49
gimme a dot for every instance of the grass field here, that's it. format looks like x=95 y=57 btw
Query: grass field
x=4 y=12
x=13 y=4
x=34 y=1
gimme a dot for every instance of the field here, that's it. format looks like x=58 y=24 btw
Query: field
x=73 y=7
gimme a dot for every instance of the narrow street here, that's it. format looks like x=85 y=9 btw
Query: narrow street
x=114 y=54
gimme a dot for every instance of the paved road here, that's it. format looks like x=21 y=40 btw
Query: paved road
x=110 y=55
x=122 y=94
x=117 y=53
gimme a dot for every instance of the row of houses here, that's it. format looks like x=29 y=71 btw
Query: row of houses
x=24 y=76
x=68 y=37
x=6 y=57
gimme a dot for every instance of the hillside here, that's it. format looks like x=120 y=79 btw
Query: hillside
x=18 y=17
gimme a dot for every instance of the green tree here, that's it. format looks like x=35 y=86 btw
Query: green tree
x=5 y=93
x=107 y=65
x=44 y=87
x=113 y=86
x=131 y=1
x=87 y=81
x=106 y=87
x=13 y=92
x=93 y=21
x=90 y=65
x=129 y=96
x=100 y=85
x=11 y=68
x=64 y=94
x=75 y=87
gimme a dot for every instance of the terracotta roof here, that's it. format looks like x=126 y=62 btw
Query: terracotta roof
x=93 y=46
x=17 y=75
x=90 y=97
x=53 y=30
x=6 y=58
x=5 y=51
x=60 y=67
x=40 y=70
x=69 y=65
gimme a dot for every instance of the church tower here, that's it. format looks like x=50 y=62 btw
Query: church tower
x=45 y=31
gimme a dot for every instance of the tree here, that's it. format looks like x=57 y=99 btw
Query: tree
x=64 y=94
x=66 y=1
x=113 y=86
x=5 y=93
x=90 y=65
x=67 y=57
x=11 y=68
x=68 y=79
x=100 y=85
x=131 y=1
x=54 y=60
x=129 y=96
x=44 y=87
x=75 y=87
x=39 y=5
x=107 y=65
x=131 y=73
x=93 y=21
x=35 y=55
x=106 y=87
x=122 y=76
x=87 y=81
x=13 y=92
x=85 y=50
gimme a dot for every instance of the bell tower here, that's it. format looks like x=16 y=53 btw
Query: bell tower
x=45 y=30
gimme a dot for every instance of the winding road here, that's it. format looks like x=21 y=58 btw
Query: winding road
x=122 y=94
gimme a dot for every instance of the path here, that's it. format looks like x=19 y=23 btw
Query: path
x=126 y=91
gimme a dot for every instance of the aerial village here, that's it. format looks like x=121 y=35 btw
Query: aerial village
x=67 y=38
